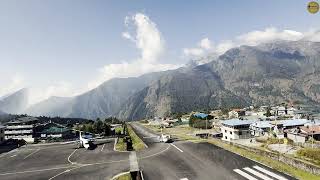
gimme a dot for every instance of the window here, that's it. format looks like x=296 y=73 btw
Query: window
x=230 y=132
x=225 y=137
x=225 y=131
x=240 y=132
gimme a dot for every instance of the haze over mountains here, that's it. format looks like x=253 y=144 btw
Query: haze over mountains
x=265 y=74
x=14 y=103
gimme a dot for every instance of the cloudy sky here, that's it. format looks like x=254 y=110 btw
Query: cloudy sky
x=64 y=48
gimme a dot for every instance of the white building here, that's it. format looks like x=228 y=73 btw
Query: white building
x=236 y=129
x=2 y=128
x=261 y=128
x=22 y=128
x=281 y=111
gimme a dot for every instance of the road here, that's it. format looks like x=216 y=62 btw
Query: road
x=181 y=160
x=184 y=160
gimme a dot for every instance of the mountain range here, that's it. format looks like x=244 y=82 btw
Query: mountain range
x=270 y=73
x=14 y=103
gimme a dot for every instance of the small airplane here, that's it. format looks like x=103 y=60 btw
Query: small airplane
x=85 y=140
x=165 y=138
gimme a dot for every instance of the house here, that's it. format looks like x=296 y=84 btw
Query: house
x=304 y=133
x=236 y=129
x=21 y=128
x=291 y=111
x=2 y=128
x=54 y=130
x=261 y=128
x=281 y=111
x=281 y=126
x=235 y=113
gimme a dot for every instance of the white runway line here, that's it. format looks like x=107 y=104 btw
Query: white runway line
x=102 y=147
x=13 y=155
x=256 y=173
x=176 y=147
x=244 y=174
x=71 y=155
x=31 y=171
x=269 y=173
x=66 y=171
x=184 y=179
x=31 y=153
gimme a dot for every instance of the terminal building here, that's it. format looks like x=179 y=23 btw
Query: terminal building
x=2 y=128
x=21 y=128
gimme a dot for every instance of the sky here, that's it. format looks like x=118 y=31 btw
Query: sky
x=65 y=48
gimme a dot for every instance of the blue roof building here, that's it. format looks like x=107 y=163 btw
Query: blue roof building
x=201 y=115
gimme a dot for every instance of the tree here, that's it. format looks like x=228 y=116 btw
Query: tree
x=268 y=113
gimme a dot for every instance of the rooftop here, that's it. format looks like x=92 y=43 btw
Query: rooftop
x=263 y=124
x=292 y=122
x=201 y=115
x=23 y=120
x=237 y=122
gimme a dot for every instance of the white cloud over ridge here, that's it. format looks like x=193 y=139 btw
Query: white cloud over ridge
x=149 y=41
x=251 y=38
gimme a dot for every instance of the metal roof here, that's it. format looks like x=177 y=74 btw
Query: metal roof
x=292 y=122
x=201 y=115
x=237 y=122
x=262 y=124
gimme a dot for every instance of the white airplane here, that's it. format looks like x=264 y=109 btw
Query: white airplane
x=164 y=138
x=85 y=141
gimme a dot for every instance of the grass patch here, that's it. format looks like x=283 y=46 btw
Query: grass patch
x=126 y=176
x=310 y=154
x=138 y=144
x=121 y=145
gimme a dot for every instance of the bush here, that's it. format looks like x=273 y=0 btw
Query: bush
x=310 y=153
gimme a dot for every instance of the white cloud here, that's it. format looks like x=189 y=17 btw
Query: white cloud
x=148 y=40
x=60 y=89
x=205 y=43
x=203 y=46
x=251 y=38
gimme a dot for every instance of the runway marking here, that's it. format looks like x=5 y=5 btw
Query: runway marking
x=31 y=153
x=244 y=174
x=66 y=171
x=147 y=137
x=256 y=173
x=70 y=156
x=30 y=171
x=184 y=179
x=269 y=173
x=176 y=147
x=155 y=153
x=13 y=155
x=102 y=147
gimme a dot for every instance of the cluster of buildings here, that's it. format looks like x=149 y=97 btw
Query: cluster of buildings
x=278 y=122
x=30 y=130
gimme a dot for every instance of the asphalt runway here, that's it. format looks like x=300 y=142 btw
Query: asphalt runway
x=63 y=161
x=183 y=160
x=180 y=160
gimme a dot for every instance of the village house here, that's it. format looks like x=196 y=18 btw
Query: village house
x=261 y=128
x=235 y=113
x=304 y=133
x=236 y=129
